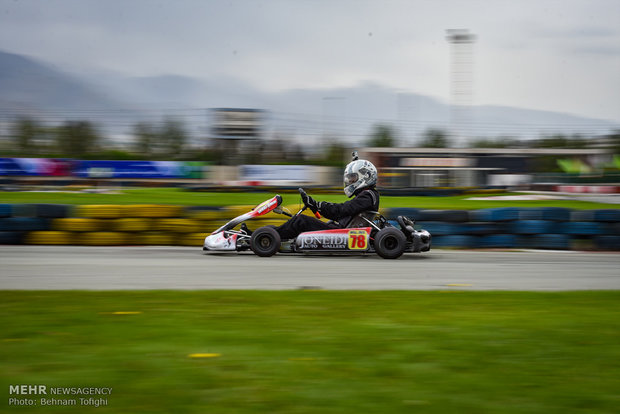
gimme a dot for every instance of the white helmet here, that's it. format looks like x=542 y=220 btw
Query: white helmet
x=359 y=174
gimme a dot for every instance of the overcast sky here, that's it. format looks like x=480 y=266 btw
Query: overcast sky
x=559 y=55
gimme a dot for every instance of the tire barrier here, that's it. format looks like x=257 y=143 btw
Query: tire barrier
x=100 y=211
x=545 y=213
x=551 y=241
x=102 y=238
x=24 y=224
x=463 y=241
x=79 y=224
x=5 y=210
x=607 y=242
x=495 y=214
x=496 y=241
x=177 y=225
x=153 y=211
x=155 y=239
x=53 y=210
x=130 y=224
x=11 y=237
x=204 y=213
x=192 y=239
x=150 y=224
x=609 y=216
x=24 y=210
x=585 y=228
x=49 y=237
x=532 y=227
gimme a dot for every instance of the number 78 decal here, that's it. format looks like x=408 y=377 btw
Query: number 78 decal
x=358 y=240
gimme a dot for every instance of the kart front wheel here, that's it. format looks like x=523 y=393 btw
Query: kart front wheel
x=390 y=243
x=265 y=241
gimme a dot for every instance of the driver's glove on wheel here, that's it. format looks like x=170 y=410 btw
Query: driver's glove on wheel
x=310 y=202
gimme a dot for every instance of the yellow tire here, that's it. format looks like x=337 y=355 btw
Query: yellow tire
x=192 y=239
x=78 y=224
x=230 y=212
x=155 y=238
x=178 y=225
x=100 y=211
x=103 y=238
x=131 y=224
x=154 y=211
x=204 y=214
x=50 y=237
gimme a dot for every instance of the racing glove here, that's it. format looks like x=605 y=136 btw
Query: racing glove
x=309 y=201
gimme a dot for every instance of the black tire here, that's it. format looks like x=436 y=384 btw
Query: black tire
x=390 y=243
x=265 y=241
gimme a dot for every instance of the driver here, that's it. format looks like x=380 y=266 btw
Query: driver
x=360 y=179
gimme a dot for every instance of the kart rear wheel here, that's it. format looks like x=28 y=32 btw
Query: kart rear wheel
x=265 y=241
x=390 y=243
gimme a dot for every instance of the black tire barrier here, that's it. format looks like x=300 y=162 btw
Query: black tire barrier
x=6 y=210
x=607 y=215
x=530 y=214
x=436 y=228
x=551 y=241
x=498 y=241
x=556 y=213
x=582 y=215
x=545 y=213
x=478 y=229
x=468 y=242
x=11 y=237
x=412 y=213
x=430 y=215
x=24 y=224
x=23 y=210
x=495 y=214
x=583 y=228
x=607 y=242
x=455 y=216
x=53 y=210
x=532 y=227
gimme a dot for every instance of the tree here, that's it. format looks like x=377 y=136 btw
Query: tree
x=25 y=132
x=335 y=155
x=77 y=138
x=435 y=138
x=172 y=137
x=382 y=136
x=145 y=137
x=166 y=140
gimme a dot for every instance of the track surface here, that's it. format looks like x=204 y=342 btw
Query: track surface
x=103 y=268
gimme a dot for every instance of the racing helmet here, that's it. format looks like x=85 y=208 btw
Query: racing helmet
x=359 y=174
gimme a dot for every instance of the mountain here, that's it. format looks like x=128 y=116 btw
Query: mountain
x=30 y=85
x=115 y=102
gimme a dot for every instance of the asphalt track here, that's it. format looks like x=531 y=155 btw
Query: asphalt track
x=120 y=268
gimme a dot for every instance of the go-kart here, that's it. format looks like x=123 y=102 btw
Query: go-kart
x=368 y=232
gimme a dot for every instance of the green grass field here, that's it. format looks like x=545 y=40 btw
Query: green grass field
x=188 y=198
x=317 y=351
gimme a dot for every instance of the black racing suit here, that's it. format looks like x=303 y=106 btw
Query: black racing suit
x=341 y=214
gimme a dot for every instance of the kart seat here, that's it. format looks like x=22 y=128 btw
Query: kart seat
x=360 y=219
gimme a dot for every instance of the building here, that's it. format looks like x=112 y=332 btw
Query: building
x=467 y=167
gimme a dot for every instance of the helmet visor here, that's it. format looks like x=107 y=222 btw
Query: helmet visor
x=350 y=178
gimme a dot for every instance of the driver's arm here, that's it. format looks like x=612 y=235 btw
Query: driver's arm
x=335 y=211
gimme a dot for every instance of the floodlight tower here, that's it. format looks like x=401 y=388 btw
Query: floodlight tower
x=461 y=83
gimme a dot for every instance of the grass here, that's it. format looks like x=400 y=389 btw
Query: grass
x=181 y=197
x=318 y=351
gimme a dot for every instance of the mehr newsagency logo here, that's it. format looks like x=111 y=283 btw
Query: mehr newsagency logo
x=42 y=395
